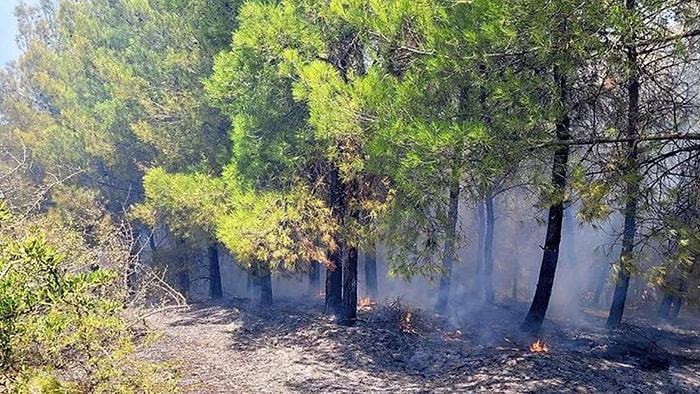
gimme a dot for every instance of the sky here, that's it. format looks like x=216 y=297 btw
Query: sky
x=8 y=30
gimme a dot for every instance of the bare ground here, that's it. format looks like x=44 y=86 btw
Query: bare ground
x=236 y=347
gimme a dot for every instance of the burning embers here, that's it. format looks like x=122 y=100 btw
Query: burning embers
x=539 y=347
x=405 y=324
x=366 y=303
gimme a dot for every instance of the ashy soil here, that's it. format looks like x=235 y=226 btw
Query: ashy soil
x=237 y=347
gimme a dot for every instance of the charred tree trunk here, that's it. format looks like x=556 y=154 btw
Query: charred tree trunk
x=215 y=289
x=334 y=282
x=349 y=307
x=334 y=275
x=631 y=172
x=540 y=303
x=314 y=278
x=665 y=307
x=489 y=293
x=265 y=279
x=448 y=259
x=371 y=273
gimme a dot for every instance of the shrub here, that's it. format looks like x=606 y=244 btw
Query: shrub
x=64 y=331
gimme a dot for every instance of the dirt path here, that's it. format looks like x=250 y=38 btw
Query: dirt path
x=234 y=347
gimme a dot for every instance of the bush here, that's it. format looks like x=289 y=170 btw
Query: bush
x=64 y=331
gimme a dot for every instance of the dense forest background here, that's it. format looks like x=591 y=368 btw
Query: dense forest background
x=470 y=146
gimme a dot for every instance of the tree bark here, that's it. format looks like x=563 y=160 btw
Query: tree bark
x=334 y=282
x=334 y=276
x=489 y=293
x=265 y=279
x=540 y=303
x=371 y=273
x=664 y=307
x=215 y=288
x=448 y=258
x=349 y=308
x=631 y=172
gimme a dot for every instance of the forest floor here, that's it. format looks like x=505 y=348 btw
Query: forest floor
x=236 y=347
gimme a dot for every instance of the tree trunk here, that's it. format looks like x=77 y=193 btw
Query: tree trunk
x=676 y=307
x=183 y=275
x=265 y=279
x=334 y=282
x=371 y=273
x=631 y=173
x=540 y=303
x=215 y=289
x=251 y=282
x=314 y=278
x=665 y=307
x=515 y=284
x=481 y=239
x=448 y=258
x=602 y=278
x=677 y=301
x=349 y=308
x=489 y=293
x=334 y=276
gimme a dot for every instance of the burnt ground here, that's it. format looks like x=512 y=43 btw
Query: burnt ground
x=235 y=347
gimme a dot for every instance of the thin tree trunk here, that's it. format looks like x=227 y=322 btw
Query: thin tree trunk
x=481 y=239
x=677 y=302
x=632 y=190
x=349 y=307
x=676 y=308
x=265 y=287
x=371 y=273
x=489 y=292
x=664 y=307
x=314 y=278
x=334 y=282
x=215 y=288
x=183 y=275
x=251 y=282
x=602 y=278
x=448 y=259
x=540 y=303
x=515 y=284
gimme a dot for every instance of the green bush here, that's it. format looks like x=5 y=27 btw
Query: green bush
x=61 y=331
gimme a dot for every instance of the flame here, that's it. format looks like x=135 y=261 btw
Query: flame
x=539 y=346
x=405 y=323
x=367 y=302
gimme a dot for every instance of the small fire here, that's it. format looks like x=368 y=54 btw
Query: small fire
x=367 y=303
x=539 y=346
